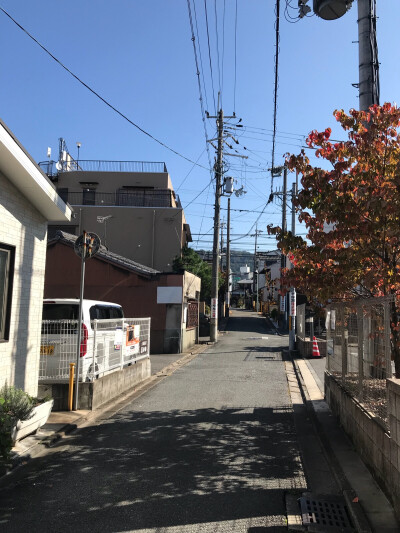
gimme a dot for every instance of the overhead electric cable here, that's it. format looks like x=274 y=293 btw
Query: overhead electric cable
x=277 y=9
x=97 y=94
x=218 y=55
x=234 y=83
x=209 y=56
x=200 y=56
x=203 y=115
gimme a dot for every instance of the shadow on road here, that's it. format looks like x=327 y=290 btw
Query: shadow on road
x=161 y=469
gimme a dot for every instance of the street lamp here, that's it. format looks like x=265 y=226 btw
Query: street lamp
x=78 y=144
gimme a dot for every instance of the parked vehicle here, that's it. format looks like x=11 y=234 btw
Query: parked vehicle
x=99 y=345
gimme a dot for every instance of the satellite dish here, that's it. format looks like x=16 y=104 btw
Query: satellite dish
x=58 y=165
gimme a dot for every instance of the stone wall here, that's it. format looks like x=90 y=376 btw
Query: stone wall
x=378 y=448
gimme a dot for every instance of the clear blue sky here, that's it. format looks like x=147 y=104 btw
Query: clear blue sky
x=138 y=55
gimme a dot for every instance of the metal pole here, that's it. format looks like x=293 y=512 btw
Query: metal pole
x=78 y=349
x=228 y=259
x=292 y=331
x=368 y=65
x=215 y=264
x=283 y=257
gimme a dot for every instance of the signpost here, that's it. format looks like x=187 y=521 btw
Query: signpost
x=86 y=246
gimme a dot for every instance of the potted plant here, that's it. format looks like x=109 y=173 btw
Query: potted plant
x=40 y=413
x=20 y=415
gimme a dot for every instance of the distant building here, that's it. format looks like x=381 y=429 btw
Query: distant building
x=169 y=299
x=131 y=205
x=28 y=200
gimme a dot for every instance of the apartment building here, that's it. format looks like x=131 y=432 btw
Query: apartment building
x=130 y=205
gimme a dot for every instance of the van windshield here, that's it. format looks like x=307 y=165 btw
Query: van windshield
x=60 y=311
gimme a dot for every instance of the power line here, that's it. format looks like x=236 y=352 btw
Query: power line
x=234 y=84
x=209 y=55
x=97 y=94
x=277 y=8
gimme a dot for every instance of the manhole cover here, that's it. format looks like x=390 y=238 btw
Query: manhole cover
x=325 y=513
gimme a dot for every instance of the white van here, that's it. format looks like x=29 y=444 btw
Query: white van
x=99 y=350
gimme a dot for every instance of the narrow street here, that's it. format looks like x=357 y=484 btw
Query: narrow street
x=213 y=447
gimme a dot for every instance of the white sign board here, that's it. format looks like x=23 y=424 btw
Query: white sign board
x=169 y=295
x=214 y=307
x=283 y=304
x=293 y=303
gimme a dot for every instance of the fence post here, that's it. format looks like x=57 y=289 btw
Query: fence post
x=93 y=377
x=328 y=338
x=343 y=342
x=388 y=355
x=123 y=343
x=360 y=331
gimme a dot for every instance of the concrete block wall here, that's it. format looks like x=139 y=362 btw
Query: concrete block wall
x=93 y=395
x=377 y=447
x=23 y=227
x=394 y=425
x=305 y=347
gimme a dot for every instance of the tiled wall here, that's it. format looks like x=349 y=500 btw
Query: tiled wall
x=22 y=226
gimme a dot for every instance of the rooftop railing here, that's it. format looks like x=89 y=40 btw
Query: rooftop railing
x=144 y=198
x=53 y=168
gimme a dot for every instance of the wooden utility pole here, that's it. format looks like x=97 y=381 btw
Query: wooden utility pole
x=228 y=260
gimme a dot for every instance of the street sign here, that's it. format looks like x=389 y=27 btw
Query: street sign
x=292 y=296
x=87 y=245
x=214 y=307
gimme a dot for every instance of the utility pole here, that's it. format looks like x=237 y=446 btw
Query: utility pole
x=228 y=259
x=222 y=243
x=368 y=65
x=217 y=209
x=283 y=257
x=255 y=267
x=292 y=329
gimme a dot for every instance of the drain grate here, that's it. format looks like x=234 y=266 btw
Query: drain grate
x=327 y=513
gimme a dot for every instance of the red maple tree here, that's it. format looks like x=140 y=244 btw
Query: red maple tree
x=352 y=214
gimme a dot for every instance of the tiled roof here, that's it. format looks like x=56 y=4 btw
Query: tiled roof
x=103 y=253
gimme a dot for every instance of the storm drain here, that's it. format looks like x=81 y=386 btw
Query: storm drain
x=327 y=513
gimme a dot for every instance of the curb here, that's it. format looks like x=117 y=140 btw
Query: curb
x=356 y=510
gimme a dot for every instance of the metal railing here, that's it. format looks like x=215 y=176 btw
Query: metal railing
x=106 y=346
x=359 y=350
x=86 y=165
x=144 y=198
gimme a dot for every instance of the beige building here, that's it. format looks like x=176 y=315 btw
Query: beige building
x=28 y=200
x=130 y=205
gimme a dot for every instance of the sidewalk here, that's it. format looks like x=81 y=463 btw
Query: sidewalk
x=352 y=476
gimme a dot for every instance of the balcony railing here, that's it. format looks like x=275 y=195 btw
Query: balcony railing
x=145 y=198
x=53 y=168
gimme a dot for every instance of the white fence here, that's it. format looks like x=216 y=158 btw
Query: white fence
x=106 y=346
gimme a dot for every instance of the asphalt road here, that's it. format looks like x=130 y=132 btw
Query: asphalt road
x=211 y=448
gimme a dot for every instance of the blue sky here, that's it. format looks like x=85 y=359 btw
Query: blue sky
x=138 y=55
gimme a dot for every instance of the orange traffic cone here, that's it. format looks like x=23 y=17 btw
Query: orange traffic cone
x=315 y=349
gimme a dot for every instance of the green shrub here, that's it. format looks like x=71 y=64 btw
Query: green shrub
x=15 y=404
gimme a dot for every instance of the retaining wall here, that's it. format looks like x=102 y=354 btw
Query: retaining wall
x=378 y=448
x=93 y=395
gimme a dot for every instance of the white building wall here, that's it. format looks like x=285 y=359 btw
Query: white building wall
x=23 y=227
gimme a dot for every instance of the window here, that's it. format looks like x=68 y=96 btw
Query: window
x=7 y=257
x=89 y=197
